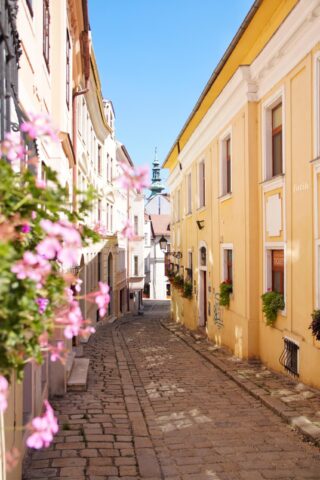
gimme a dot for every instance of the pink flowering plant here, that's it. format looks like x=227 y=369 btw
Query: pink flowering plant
x=40 y=240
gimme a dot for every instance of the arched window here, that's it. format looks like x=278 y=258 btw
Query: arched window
x=203 y=256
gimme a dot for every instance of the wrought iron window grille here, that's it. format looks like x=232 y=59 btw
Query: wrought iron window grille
x=289 y=358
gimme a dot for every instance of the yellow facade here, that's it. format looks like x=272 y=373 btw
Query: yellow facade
x=265 y=212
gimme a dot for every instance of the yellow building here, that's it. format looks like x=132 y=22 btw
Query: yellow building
x=244 y=179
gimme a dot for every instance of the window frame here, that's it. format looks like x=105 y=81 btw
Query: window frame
x=136 y=265
x=99 y=159
x=225 y=249
x=225 y=190
x=267 y=145
x=268 y=269
x=68 y=67
x=274 y=132
x=189 y=192
x=46 y=33
x=316 y=78
x=136 y=225
x=202 y=183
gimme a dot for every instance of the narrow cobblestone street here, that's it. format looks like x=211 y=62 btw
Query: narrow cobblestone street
x=156 y=409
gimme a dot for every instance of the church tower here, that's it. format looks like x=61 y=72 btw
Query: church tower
x=156 y=185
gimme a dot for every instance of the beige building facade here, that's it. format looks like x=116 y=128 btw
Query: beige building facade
x=244 y=181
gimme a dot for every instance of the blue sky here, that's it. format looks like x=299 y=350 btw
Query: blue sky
x=154 y=59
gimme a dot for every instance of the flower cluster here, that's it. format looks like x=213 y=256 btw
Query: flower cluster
x=127 y=230
x=32 y=266
x=12 y=147
x=134 y=178
x=43 y=428
x=62 y=242
x=39 y=125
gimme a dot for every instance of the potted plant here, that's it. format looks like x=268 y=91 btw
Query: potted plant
x=178 y=281
x=225 y=292
x=171 y=276
x=272 y=303
x=187 y=290
x=315 y=324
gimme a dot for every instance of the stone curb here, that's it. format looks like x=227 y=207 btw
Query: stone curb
x=298 y=422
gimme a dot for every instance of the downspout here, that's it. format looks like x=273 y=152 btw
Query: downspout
x=128 y=254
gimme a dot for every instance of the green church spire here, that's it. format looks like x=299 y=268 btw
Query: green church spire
x=156 y=185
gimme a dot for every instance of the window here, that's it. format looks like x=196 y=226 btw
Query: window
x=146 y=239
x=46 y=31
x=99 y=266
x=276 y=118
x=189 y=194
x=226 y=166
x=277 y=271
x=68 y=47
x=108 y=166
x=111 y=170
x=136 y=225
x=227 y=263
x=178 y=205
x=317 y=105
x=108 y=217
x=99 y=211
x=202 y=184
x=289 y=358
x=99 y=160
x=189 y=269
x=111 y=218
x=135 y=265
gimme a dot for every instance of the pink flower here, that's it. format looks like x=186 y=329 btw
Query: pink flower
x=33 y=215
x=32 y=266
x=57 y=352
x=25 y=228
x=12 y=147
x=43 y=428
x=4 y=391
x=101 y=298
x=42 y=184
x=68 y=256
x=39 y=125
x=134 y=178
x=49 y=248
x=77 y=285
x=71 y=318
x=101 y=229
x=42 y=304
x=127 y=230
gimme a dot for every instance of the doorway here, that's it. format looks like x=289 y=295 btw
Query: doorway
x=202 y=305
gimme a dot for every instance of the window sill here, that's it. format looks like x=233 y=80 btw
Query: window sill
x=201 y=209
x=225 y=197
x=274 y=182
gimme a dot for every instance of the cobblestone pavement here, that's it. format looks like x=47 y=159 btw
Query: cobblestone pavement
x=156 y=409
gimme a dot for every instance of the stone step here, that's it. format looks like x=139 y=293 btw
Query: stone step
x=69 y=362
x=77 y=381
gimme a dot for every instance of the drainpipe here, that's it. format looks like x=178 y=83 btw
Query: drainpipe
x=128 y=253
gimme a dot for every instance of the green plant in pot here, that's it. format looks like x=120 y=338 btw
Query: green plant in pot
x=272 y=303
x=225 y=292
x=171 y=276
x=315 y=324
x=187 y=290
x=178 y=281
